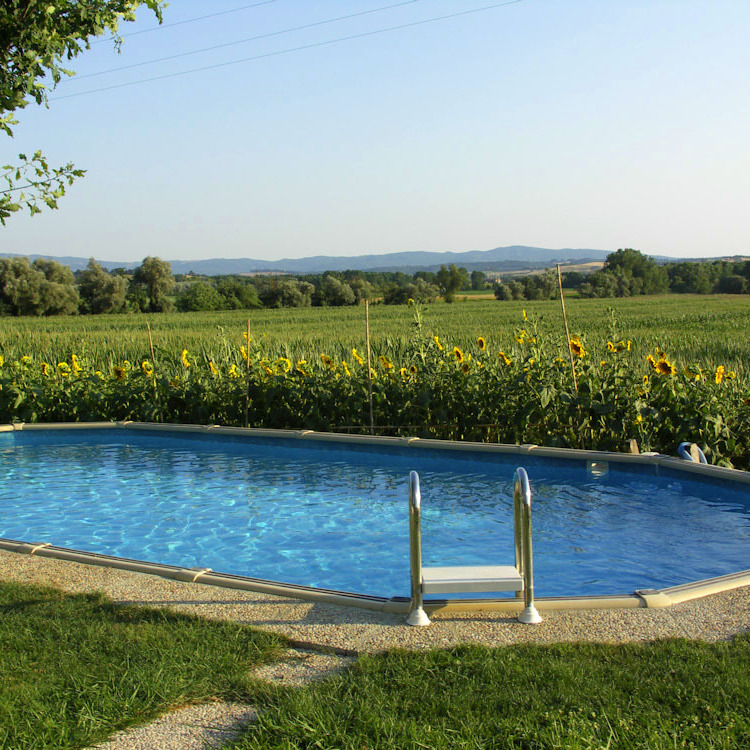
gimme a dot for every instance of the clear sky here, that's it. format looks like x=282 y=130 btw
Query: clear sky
x=555 y=123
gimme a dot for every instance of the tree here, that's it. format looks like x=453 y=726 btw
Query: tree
x=36 y=37
x=478 y=280
x=42 y=288
x=99 y=291
x=200 y=296
x=450 y=280
x=154 y=277
x=333 y=292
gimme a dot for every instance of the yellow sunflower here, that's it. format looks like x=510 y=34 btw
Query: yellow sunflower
x=147 y=367
x=118 y=371
x=482 y=344
x=458 y=354
x=577 y=347
x=327 y=361
x=185 y=362
x=437 y=342
x=719 y=374
x=664 y=367
x=357 y=358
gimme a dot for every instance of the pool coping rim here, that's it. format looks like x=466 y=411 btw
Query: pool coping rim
x=649 y=598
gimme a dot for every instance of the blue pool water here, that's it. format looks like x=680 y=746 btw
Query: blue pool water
x=336 y=516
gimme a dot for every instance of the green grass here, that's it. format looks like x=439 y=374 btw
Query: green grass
x=77 y=668
x=668 y=694
x=711 y=329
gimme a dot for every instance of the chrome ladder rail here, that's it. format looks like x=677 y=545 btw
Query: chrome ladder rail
x=523 y=548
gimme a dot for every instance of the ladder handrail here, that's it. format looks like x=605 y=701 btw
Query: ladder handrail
x=417 y=615
x=523 y=547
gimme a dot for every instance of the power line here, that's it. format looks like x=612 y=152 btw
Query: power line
x=242 y=41
x=187 y=20
x=291 y=49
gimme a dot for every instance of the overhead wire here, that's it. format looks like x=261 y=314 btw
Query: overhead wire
x=162 y=26
x=244 y=41
x=276 y=53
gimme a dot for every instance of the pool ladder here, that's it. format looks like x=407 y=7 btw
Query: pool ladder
x=474 y=578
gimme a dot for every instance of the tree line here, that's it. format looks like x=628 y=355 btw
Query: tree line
x=46 y=287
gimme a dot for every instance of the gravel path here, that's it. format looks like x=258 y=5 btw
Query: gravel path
x=328 y=637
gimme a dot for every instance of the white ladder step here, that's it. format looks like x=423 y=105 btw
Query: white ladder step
x=471 y=578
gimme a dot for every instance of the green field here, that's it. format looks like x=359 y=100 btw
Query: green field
x=710 y=329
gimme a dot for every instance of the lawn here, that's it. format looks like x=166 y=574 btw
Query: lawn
x=76 y=668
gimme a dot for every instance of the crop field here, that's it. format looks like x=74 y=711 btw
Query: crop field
x=659 y=370
x=712 y=329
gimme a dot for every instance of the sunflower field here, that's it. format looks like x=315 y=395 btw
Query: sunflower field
x=533 y=387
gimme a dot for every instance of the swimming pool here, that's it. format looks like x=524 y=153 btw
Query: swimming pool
x=329 y=512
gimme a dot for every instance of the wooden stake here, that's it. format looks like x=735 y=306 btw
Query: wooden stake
x=151 y=345
x=369 y=365
x=247 y=373
x=567 y=330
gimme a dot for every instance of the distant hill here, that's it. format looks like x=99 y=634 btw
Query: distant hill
x=513 y=258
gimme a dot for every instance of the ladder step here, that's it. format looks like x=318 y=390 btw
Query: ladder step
x=471 y=578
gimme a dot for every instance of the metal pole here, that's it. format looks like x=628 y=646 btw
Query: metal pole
x=522 y=496
x=417 y=615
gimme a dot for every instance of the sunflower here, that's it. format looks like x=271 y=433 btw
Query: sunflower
x=437 y=342
x=63 y=368
x=664 y=367
x=385 y=362
x=506 y=359
x=283 y=364
x=2 y=361
x=520 y=336
x=610 y=346
x=26 y=360
x=243 y=352
x=404 y=373
x=413 y=369
x=118 y=371
x=300 y=368
x=147 y=367
x=577 y=347
x=458 y=354
x=211 y=366
x=327 y=361
x=347 y=372
x=45 y=368
x=73 y=362
x=246 y=337
x=465 y=367
x=357 y=358
x=719 y=374
x=233 y=371
x=482 y=344
x=650 y=359
x=185 y=362
x=692 y=373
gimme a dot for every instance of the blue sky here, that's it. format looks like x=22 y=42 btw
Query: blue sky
x=555 y=123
